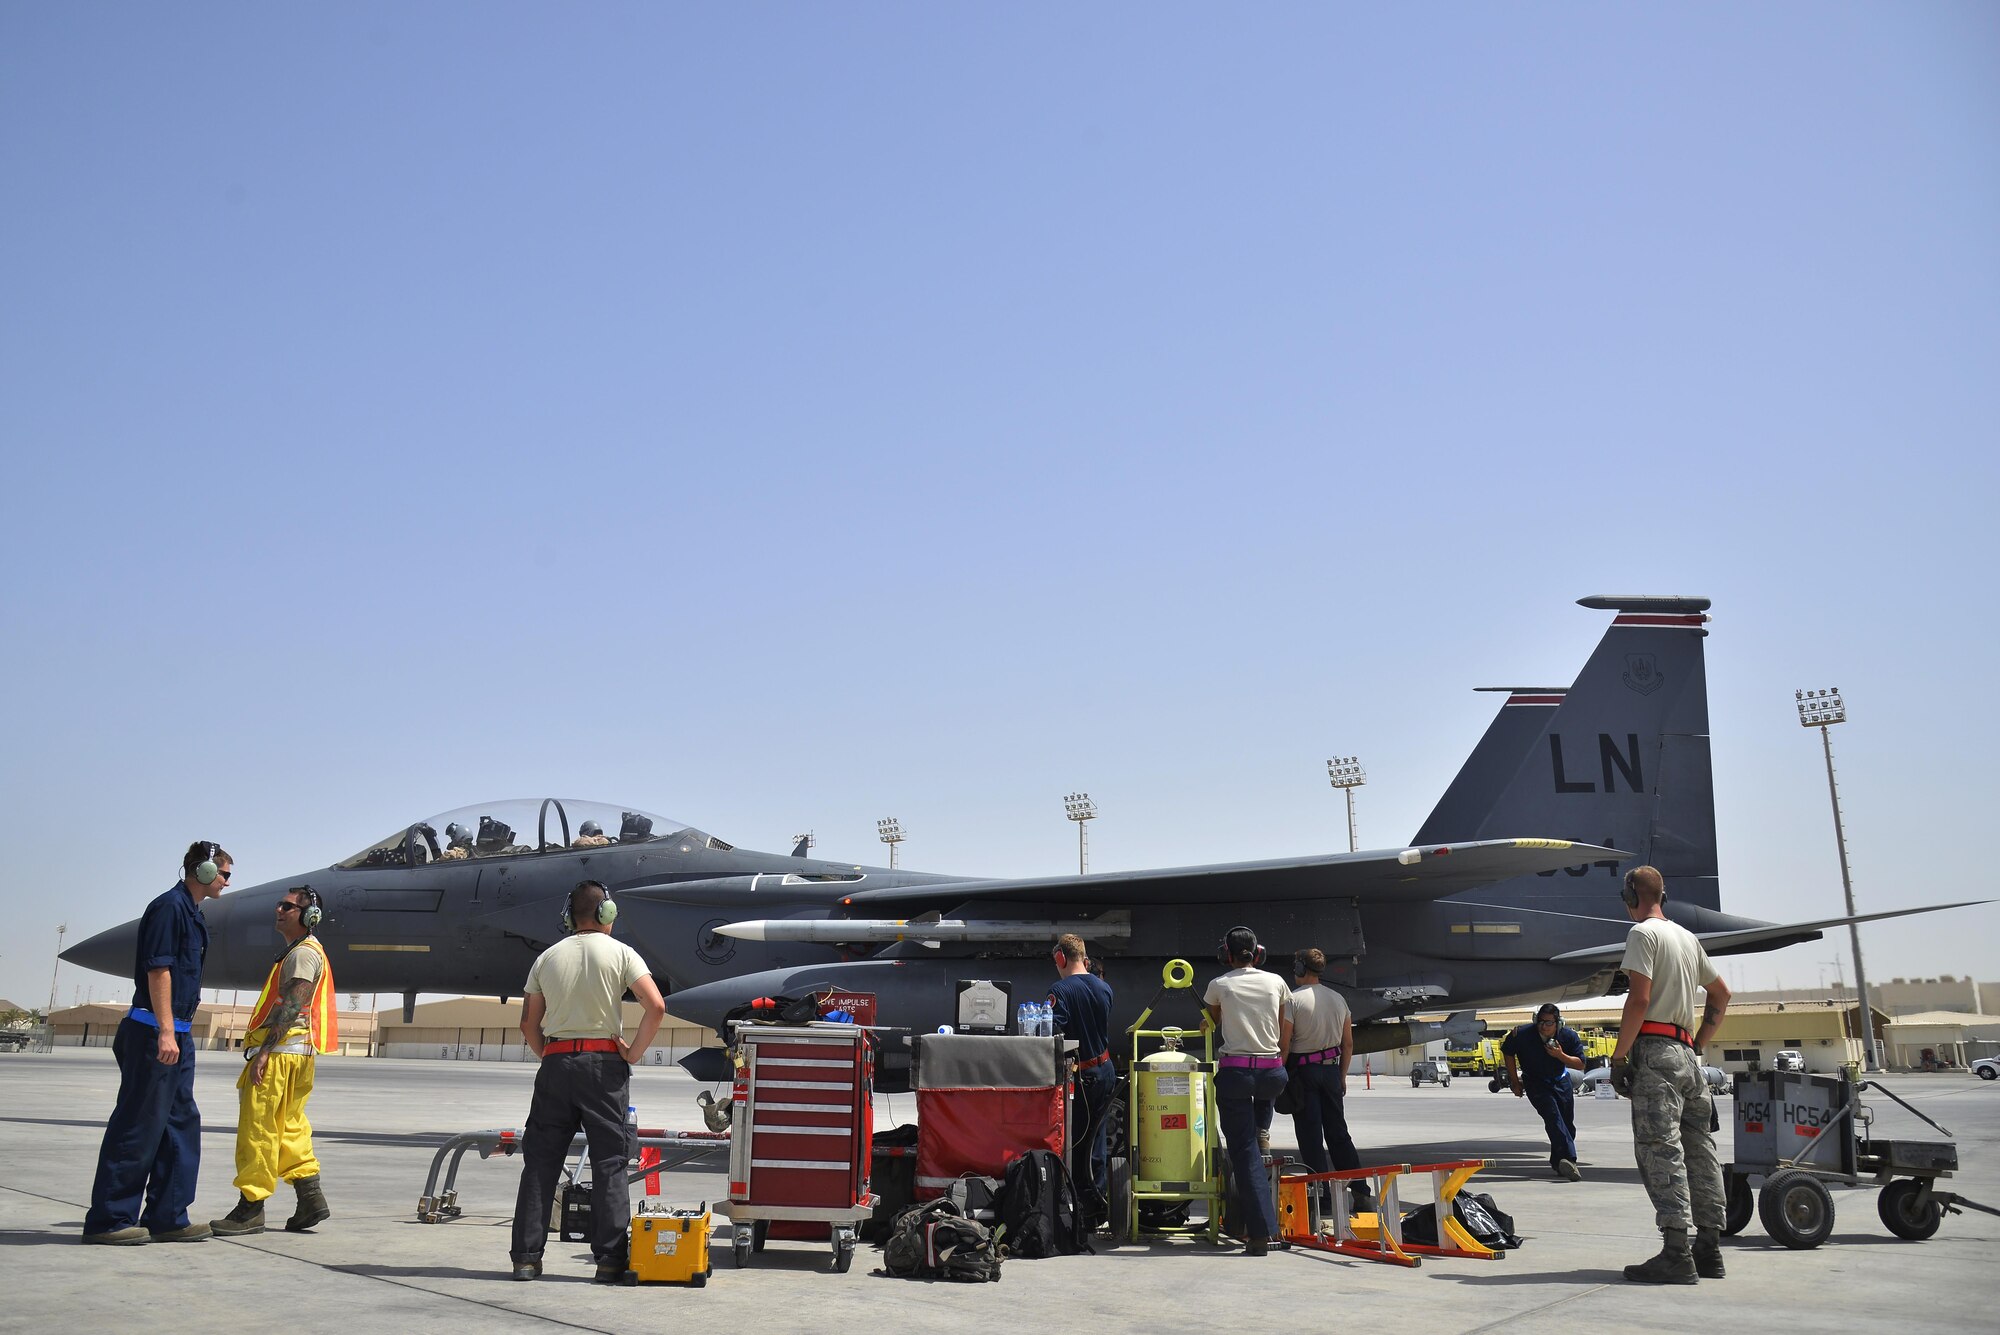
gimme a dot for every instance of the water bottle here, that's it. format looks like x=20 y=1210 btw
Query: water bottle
x=1024 y=1018
x=632 y=1132
x=1045 y=1020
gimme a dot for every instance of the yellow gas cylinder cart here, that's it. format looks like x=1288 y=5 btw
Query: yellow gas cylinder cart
x=1172 y=1151
x=669 y=1246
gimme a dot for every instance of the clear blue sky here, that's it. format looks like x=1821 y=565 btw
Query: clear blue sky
x=782 y=417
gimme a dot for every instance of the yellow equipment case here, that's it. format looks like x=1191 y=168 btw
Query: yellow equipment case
x=669 y=1246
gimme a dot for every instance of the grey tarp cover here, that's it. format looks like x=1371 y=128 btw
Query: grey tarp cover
x=987 y=1061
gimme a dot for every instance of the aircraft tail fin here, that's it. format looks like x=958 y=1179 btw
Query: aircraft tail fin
x=1622 y=761
x=1523 y=718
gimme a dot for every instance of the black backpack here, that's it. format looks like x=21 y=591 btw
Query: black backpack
x=933 y=1241
x=1036 y=1209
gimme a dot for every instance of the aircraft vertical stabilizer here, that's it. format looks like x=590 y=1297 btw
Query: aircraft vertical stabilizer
x=1523 y=718
x=1622 y=762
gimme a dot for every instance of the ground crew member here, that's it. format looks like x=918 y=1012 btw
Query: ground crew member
x=571 y=1017
x=152 y=1144
x=1322 y=1049
x=1253 y=1011
x=1656 y=1066
x=294 y=1018
x=1081 y=1004
x=1540 y=1056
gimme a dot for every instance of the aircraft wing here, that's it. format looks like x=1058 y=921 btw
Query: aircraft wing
x=1426 y=872
x=1748 y=939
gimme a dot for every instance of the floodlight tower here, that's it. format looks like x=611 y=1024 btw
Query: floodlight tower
x=1823 y=709
x=61 y=930
x=1079 y=808
x=890 y=831
x=1346 y=774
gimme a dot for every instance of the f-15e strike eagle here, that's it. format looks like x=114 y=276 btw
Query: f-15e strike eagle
x=1509 y=891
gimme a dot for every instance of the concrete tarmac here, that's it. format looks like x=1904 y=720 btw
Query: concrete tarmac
x=373 y=1267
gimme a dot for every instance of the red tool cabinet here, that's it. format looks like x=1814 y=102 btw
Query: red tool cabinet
x=802 y=1113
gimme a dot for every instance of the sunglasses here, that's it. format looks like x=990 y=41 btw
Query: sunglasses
x=222 y=874
x=288 y=908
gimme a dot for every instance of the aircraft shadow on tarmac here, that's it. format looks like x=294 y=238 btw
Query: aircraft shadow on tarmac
x=1512 y=1162
x=581 y=1275
x=62 y=1233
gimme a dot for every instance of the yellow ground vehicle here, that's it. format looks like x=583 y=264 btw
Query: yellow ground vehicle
x=1481 y=1060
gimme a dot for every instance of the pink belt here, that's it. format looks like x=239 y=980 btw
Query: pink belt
x=1257 y=1062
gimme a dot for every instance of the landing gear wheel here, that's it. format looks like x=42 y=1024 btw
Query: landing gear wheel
x=1901 y=1212
x=739 y=1246
x=1797 y=1209
x=1737 y=1205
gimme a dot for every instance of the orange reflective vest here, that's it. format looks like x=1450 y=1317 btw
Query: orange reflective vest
x=321 y=1025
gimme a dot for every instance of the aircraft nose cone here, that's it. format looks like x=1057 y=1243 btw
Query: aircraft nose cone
x=110 y=951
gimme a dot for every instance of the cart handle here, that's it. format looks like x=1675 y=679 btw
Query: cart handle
x=1878 y=1086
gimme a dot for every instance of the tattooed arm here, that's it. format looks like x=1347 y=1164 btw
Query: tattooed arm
x=292 y=1003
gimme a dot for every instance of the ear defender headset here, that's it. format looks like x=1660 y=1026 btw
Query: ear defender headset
x=1224 y=956
x=206 y=871
x=1629 y=891
x=312 y=912
x=607 y=910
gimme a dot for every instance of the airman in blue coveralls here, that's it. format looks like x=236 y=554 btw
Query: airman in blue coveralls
x=152 y=1144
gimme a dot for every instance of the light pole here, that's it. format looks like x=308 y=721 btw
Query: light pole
x=890 y=831
x=1823 y=709
x=61 y=930
x=1346 y=774
x=1079 y=808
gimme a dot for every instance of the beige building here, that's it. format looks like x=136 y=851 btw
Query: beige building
x=1898 y=996
x=1932 y=1040
x=216 y=1027
x=476 y=1029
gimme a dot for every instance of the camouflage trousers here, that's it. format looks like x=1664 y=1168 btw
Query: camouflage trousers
x=1672 y=1112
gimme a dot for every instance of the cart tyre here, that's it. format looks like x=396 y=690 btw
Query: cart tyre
x=843 y=1255
x=1902 y=1216
x=1415 y=1080
x=739 y=1246
x=1737 y=1205
x=1797 y=1209
x=760 y=1230
x=1123 y=1205
x=700 y=1280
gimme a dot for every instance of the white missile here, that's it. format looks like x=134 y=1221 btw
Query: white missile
x=838 y=931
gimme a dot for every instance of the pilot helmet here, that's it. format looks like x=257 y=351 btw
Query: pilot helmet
x=590 y=829
x=457 y=835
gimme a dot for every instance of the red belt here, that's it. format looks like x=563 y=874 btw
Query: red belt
x=1661 y=1029
x=563 y=1045
x=1098 y=1060
x=1233 y=1059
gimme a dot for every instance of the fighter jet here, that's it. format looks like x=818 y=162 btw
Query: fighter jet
x=1509 y=890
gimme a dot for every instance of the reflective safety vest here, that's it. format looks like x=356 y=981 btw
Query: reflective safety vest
x=318 y=1019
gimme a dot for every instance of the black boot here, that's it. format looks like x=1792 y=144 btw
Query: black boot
x=1674 y=1264
x=312 y=1206
x=1708 y=1253
x=245 y=1219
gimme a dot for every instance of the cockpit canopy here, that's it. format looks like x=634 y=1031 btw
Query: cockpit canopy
x=525 y=826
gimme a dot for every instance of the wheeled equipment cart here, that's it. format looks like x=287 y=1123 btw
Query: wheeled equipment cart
x=1798 y=1132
